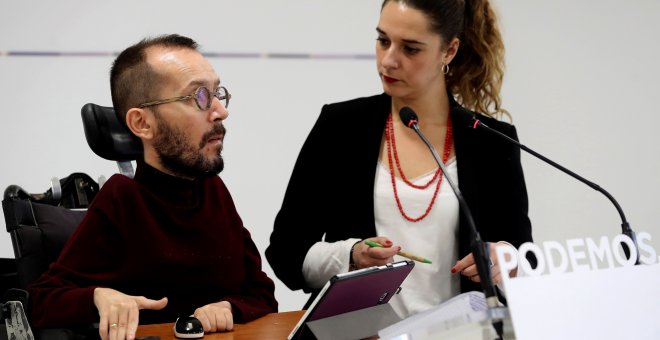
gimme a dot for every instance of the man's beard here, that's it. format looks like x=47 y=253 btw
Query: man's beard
x=179 y=156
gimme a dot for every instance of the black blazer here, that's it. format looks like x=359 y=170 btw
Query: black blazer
x=331 y=190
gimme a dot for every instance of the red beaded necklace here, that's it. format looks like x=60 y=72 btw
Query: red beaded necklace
x=391 y=153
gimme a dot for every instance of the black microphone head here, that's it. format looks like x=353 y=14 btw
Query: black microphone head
x=408 y=116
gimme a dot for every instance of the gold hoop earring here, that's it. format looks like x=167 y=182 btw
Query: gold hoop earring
x=445 y=68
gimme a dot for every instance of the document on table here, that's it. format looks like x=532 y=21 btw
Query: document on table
x=462 y=309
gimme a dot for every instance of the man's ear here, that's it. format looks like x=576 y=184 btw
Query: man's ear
x=139 y=122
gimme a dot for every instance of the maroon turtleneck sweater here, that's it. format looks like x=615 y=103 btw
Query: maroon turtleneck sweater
x=158 y=236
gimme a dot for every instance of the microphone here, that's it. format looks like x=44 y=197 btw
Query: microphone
x=479 y=248
x=625 y=226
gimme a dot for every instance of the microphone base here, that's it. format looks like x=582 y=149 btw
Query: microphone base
x=498 y=315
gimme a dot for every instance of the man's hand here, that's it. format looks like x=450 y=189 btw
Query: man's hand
x=120 y=312
x=215 y=317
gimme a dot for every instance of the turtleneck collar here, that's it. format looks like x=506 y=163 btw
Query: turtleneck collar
x=167 y=187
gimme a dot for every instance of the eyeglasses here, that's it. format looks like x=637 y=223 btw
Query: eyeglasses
x=203 y=98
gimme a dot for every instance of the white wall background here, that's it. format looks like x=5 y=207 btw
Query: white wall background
x=581 y=86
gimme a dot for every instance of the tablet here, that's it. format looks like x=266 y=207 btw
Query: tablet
x=348 y=292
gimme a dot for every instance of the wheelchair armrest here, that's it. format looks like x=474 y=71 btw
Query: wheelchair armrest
x=13 y=315
x=16 y=294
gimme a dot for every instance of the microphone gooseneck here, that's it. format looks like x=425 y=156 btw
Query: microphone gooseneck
x=625 y=226
x=479 y=248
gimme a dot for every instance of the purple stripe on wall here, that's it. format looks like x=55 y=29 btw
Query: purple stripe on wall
x=238 y=55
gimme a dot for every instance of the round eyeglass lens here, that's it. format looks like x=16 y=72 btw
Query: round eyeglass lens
x=222 y=95
x=203 y=98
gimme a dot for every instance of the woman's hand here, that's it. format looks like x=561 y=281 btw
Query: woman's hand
x=365 y=256
x=467 y=267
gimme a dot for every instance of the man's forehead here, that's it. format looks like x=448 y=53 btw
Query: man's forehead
x=174 y=57
x=188 y=65
x=168 y=56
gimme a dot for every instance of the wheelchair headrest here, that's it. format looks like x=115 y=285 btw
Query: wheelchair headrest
x=15 y=192
x=107 y=136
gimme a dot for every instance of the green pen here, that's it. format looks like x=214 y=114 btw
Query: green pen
x=400 y=253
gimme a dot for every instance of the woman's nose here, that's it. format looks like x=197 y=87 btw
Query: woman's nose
x=390 y=59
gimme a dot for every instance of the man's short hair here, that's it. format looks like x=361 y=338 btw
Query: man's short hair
x=132 y=80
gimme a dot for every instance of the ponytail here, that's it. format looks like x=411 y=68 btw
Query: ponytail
x=478 y=69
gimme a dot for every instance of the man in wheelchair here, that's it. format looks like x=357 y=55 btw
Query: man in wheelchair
x=168 y=242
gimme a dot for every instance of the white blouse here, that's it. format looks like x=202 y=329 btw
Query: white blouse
x=434 y=237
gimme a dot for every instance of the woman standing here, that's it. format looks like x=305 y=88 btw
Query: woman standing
x=362 y=174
